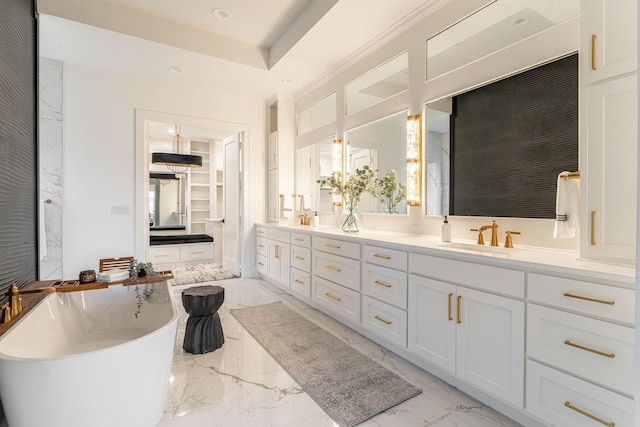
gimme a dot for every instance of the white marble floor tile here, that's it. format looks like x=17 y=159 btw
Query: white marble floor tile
x=241 y=385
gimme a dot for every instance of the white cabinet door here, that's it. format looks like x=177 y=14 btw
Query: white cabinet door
x=278 y=263
x=612 y=129
x=432 y=326
x=490 y=343
x=274 y=198
x=611 y=34
x=273 y=150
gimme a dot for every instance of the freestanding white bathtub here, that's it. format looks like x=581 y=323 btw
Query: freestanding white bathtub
x=83 y=359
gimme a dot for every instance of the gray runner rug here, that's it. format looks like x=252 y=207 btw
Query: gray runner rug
x=198 y=273
x=346 y=384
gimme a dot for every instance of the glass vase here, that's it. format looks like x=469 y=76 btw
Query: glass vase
x=350 y=220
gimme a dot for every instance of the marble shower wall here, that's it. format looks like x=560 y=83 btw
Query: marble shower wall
x=50 y=167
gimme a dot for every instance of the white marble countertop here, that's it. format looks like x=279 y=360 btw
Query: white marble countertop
x=526 y=258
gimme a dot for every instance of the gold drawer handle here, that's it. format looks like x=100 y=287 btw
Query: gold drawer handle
x=297 y=239
x=593 y=228
x=332 y=268
x=299 y=281
x=332 y=246
x=381 y=283
x=593 y=52
x=261 y=246
x=383 y=320
x=449 y=316
x=382 y=256
x=598 y=352
x=196 y=253
x=300 y=258
x=600 y=301
x=458 y=320
x=260 y=231
x=261 y=264
x=333 y=297
x=588 y=415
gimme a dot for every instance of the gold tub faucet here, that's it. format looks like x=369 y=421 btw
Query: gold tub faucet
x=13 y=306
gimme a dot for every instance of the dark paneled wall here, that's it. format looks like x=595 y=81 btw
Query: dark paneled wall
x=511 y=139
x=18 y=152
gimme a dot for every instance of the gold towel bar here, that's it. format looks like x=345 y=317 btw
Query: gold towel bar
x=572 y=175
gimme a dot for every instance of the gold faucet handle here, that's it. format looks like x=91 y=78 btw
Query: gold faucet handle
x=480 y=236
x=508 y=243
x=6 y=314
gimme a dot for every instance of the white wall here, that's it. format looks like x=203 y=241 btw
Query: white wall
x=99 y=156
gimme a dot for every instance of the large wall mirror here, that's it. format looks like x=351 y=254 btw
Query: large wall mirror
x=380 y=145
x=314 y=162
x=496 y=149
x=167 y=207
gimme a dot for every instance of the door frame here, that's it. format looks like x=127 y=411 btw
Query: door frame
x=141 y=225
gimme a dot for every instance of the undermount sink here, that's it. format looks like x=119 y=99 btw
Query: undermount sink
x=480 y=248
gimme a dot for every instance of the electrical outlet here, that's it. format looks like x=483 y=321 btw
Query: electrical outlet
x=119 y=210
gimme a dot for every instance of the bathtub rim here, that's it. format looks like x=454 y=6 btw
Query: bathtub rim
x=168 y=324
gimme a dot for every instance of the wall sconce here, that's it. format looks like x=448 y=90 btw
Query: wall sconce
x=176 y=162
x=337 y=165
x=414 y=164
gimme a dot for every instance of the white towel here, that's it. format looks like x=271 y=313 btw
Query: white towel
x=567 y=207
x=287 y=206
x=42 y=231
x=305 y=202
x=112 y=275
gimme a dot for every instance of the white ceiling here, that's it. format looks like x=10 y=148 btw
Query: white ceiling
x=263 y=47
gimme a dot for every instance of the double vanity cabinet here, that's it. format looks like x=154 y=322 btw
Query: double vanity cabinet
x=543 y=337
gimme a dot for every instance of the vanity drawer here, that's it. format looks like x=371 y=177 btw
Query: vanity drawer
x=551 y=395
x=261 y=264
x=387 y=321
x=279 y=235
x=261 y=232
x=163 y=254
x=585 y=297
x=337 y=247
x=261 y=246
x=343 y=271
x=385 y=284
x=337 y=299
x=301 y=282
x=594 y=349
x=301 y=258
x=385 y=257
x=485 y=277
x=301 y=239
x=196 y=252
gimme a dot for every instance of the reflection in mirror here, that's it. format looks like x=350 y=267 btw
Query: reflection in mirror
x=380 y=145
x=318 y=114
x=314 y=162
x=381 y=83
x=438 y=150
x=507 y=141
x=167 y=201
x=492 y=28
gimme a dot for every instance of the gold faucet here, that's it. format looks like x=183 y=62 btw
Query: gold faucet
x=494 y=233
x=13 y=306
x=508 y=243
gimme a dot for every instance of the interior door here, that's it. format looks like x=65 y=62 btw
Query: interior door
x=232 y=208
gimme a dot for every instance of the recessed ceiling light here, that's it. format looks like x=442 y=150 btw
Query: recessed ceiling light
x=221 y=13
x=176 y=70
x=522 y=21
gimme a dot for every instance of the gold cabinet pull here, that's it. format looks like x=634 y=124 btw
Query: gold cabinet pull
x=458 y=320
x=593 y=228
x=382 y=319
x=588 y=415
x=299 y=257
x=332 y=246
x=333 y=297
x=260 y=231
x=449 y=316
x=598 y=352
x=277 y=251
x=381 y=283
x=332 y=268
x=261 y=246
x=382 y=256
x=261 y=264
x=298 y=239
x=275 y=159
x=599 y=301
x=593 y=52
x=299 y=281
